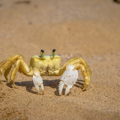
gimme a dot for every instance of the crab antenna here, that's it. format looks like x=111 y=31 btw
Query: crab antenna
x=53 y=52
x=42 y=53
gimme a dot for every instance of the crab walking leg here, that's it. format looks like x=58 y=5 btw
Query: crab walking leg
x=7 y=63
x=6 y=60
x=14 y=71
x=85 y=73
x=20 y=63
x=25 y=69
x=7 y=71
x=4 y=67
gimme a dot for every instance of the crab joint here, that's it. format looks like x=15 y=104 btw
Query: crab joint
x=53 y=53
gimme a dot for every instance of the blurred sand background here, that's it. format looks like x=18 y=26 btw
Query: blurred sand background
x=75 y=28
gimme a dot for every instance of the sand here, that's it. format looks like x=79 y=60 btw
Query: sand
x=75 y=28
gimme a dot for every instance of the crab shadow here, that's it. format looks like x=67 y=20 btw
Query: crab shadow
x=80 y=83
x=51 y=83
x=29 y=84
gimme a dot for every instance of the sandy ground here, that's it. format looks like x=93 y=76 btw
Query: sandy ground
x=75 y=28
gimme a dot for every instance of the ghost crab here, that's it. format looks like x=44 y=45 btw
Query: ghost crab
x=47 y=65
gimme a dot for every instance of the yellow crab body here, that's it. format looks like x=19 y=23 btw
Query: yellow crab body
x=47 y=66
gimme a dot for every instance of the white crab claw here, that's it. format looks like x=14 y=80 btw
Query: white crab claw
x=69 y=78
x=37 y=80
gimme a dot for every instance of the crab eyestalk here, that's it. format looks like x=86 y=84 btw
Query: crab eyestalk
x=42 y=54
x=53 y=53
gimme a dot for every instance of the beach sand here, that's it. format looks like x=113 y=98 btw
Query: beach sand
x=75 y=28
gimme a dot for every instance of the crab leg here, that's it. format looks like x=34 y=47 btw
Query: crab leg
x=79 y=63
x=14 y=71
x=85 y=73
x=19 y=63
x=6 y=64
x=25 y=69
x=7 y=72
x=6 y=60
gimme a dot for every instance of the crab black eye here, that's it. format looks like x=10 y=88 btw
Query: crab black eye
x=42 y=51
x=53 y=50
